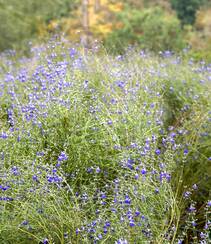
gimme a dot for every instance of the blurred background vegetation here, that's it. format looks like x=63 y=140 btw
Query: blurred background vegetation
x=154 y=25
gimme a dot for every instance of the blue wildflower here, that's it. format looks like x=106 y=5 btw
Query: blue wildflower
x=157 y=152
x=62 y=157
x=127 y=199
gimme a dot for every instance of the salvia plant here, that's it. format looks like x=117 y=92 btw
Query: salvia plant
x=104 y=149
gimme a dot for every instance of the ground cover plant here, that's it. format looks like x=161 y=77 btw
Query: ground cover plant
x=97 y=148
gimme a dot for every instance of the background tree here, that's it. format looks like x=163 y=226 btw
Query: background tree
x=85 y=22
x=97 y=6
x=186 y=10
x=151 y=29
x=21 y=20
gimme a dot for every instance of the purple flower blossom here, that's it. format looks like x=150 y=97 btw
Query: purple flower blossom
x=121 y=241
x=25 y=222
x=97 y=170
x=136 y=176
x=109 y=122
x=4 y=188
x=120 y=84
x=194 y=224
x=195 y=187
x=15 y=171
x=62 y=157
x=73 y=52
x=40 y=154
x=4 y=135
x=187 y=194
x=127 y=200
x=192 y=208
x=34 y=177
x=105 y=230
x=202 y=235
x=103 y=196
x=45 y=241
x=132 y=223
x=107 y=224
x=6 y=199
x=157 y=152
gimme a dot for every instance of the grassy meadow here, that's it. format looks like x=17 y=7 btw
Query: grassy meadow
x=98 y=148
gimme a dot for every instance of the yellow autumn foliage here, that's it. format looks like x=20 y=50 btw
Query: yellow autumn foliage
x=99 y=22
x=53 y=25
x=116 y=7
x=203 y=21
x=42 y=29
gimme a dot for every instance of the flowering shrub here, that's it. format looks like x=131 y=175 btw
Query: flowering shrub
x=103 y=149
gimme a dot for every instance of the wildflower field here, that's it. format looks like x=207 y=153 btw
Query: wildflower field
x=96 y=148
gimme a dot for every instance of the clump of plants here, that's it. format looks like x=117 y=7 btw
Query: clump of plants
x=102 y=149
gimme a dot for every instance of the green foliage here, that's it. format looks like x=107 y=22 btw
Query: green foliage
x=151 y=29
x=186 y=10
x=200 y=55
x=20 y=19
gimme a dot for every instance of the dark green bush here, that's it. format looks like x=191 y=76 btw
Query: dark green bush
x=186 y=10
